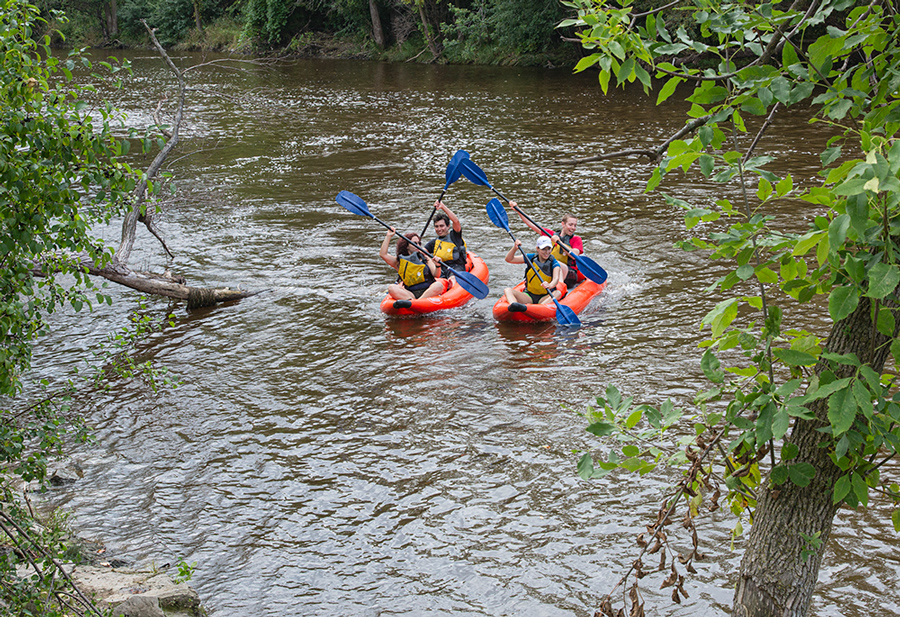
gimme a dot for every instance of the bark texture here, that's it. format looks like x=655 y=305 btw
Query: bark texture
x=377 y=31
x=774 y=577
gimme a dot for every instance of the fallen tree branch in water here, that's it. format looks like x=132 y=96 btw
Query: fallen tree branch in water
x=655 y=155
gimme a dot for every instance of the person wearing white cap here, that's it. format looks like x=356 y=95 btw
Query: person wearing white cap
x=564 y=240
x=540 y=285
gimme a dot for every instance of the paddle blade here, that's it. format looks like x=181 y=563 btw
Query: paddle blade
x=497 y=213
x=471 y=283
x=454 y=172
x=565 y=316
x=473 y=172
x=590 y=269
x=353 y=203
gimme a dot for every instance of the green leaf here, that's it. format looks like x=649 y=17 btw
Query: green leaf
x=764 y=190
x=765 y=275
x=789 y=452
x=801 y=473
x=806 y=242
x=895 y=519
x=842 y=408
x=793 y=357
x=601 y=429
x=721 y=316
x=860 y=489
x=883 y=279
x=586 y=467
x=634 y=418
x=842 y=301
x=779 y=474
x=830 y=155
x=837 y=231
x=708 y=94
x=668 y=89
x=712 y=367
x=784 y=186
x=841 y=489
x=781 y=421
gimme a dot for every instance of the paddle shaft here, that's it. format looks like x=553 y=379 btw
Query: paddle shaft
x=421 y=248
x=544 y=231
x=433 y=210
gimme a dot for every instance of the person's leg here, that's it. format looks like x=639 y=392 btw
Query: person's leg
x=519 y=296
x=399 y=292
x=435 y=289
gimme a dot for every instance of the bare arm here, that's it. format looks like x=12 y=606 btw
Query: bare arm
x=531 y=225
x=457 y=226
x=513 y=257
x=383 y=253
x=554 y=280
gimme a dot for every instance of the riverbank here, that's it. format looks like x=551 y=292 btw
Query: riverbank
x=229 y=36
x=114 y=583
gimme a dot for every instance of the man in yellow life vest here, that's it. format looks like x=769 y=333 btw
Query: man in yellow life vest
x=449 y=245
x=541 y=285
x=418 y=273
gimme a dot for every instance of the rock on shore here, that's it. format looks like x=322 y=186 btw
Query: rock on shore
x=136 y=594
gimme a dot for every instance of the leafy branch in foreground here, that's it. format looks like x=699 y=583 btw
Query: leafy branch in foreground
x=60 y=174
x=797 y=420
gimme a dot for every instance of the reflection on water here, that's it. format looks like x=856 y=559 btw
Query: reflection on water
x=319 y=459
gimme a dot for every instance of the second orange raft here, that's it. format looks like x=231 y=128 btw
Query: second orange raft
x=576 y=299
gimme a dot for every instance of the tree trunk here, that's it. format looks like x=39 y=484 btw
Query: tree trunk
x=112 y=19
x=377 y=32
x=774 y=577
x=197 y=22
x=432 y=45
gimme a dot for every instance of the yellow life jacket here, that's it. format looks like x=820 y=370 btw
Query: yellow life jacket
x=534 y=279
x=561 y=256
x=446 y=250
x=413 y=272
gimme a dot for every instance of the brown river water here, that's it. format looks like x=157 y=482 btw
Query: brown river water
x=319 y=459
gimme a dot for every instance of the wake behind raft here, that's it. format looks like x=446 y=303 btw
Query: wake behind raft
x=454 y=297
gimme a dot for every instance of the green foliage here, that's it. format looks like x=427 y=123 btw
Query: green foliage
x=505 y=28
x=768 y=372
x=60 y=174
x=172 y=18
x=185 y=571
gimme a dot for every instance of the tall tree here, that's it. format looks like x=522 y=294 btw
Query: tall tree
x=801 y=427
x=377 y=31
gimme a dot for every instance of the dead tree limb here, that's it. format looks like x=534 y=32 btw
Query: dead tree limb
x=655 y=155
x=147 y=282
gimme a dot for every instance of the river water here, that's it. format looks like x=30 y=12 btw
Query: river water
x=319 y=459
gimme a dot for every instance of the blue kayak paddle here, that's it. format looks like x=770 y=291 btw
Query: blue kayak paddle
x=497 y=213
x=451 y=175
x=467 y=280
x=587 y=266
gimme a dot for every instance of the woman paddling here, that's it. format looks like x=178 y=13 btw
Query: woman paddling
x=565 y=237
x=418 y=273
x=540 y=286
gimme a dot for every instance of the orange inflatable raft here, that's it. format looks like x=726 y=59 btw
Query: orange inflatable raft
x=454 y=297
x=576 y=299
